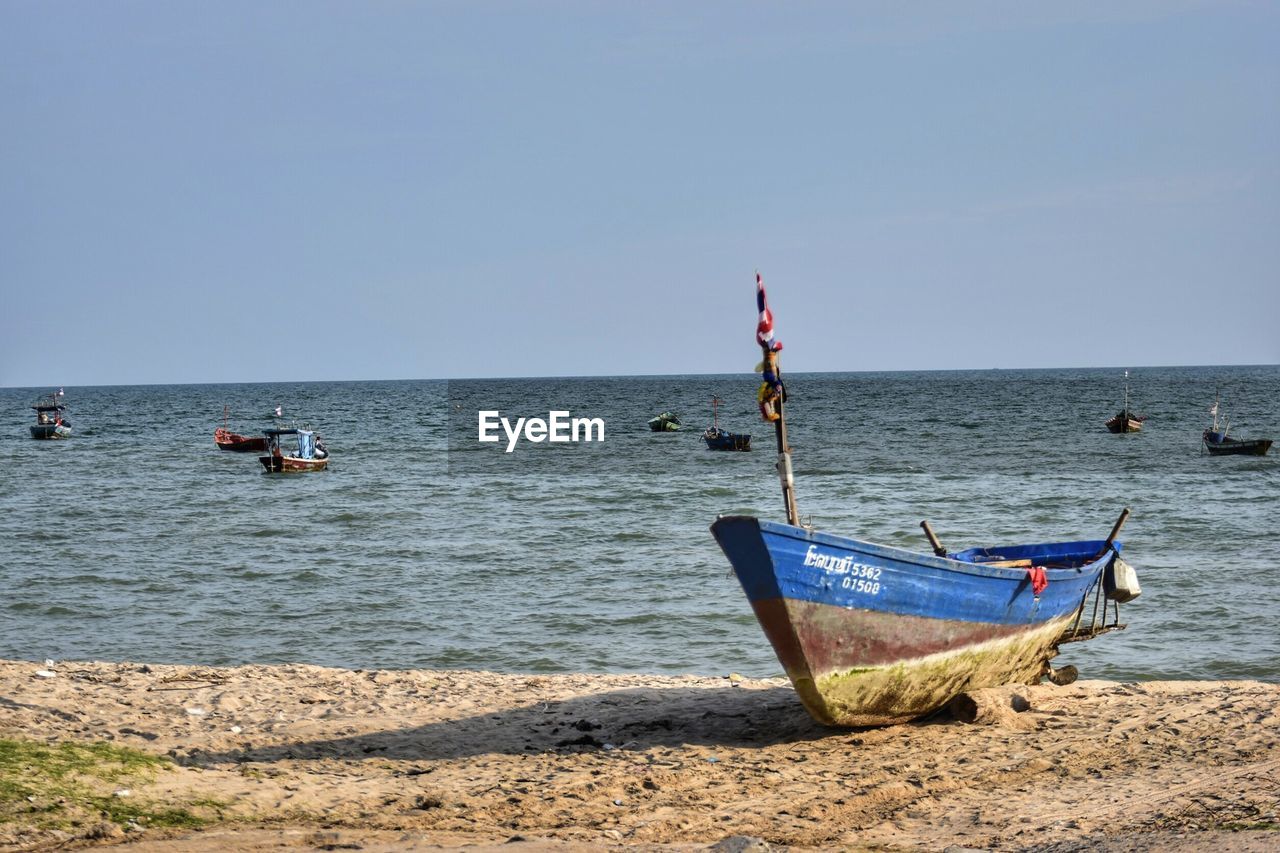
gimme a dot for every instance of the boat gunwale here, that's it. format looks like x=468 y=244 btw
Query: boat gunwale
x=926 y=560
x=227 y=434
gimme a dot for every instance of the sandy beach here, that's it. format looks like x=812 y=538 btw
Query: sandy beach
x=304 y=757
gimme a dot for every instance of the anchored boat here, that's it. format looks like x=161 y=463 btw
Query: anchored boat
x=1126 y=420
x=293 y=450
x=225 y=439
x=1218 y=443
x=872 y=634
x=721 y=439
x=51 y=421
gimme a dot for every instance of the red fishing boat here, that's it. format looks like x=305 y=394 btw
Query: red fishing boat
x=234 y=441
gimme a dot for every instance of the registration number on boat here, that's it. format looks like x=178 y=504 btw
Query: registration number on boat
x=854 y=576
x=860 y=585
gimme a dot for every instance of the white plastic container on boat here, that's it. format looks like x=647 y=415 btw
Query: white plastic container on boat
x=1121 y=581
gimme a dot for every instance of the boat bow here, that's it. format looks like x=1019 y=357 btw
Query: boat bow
x=871 y=635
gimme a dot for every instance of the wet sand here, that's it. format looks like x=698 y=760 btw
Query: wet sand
x=305 y=757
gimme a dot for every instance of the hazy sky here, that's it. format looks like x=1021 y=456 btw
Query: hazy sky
x=205 y=192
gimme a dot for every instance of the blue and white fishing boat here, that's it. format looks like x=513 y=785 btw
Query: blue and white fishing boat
x=873 y=635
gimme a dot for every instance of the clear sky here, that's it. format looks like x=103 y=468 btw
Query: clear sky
x=249 y=191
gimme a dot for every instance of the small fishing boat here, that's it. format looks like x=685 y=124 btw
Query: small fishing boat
x=51 y=421
x=1219 y=443
x=293 y=450
x=873 y=635
x=721 y=439
x=1126 y=420
x=665 y=422
x=225 y=439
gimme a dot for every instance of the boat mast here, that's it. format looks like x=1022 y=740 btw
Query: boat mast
x=1126 y=393
x=715 y=406
x=784 y=449
x=773 y=377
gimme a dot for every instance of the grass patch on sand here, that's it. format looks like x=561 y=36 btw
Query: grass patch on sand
x=72 y=784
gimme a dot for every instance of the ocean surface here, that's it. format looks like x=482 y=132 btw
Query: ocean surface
x=138 y=540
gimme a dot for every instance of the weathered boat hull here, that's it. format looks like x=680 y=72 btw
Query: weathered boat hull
x=1120 y=424
x=228 y=440
x=1237 y=446
x=50 y=431
x=723 y=440
x=873 y=635
x=292 y=464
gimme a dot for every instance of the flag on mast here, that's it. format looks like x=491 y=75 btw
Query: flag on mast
x=764 y=328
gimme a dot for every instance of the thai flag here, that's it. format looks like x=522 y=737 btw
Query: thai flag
x=764 y=328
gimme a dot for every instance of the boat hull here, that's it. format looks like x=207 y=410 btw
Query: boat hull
x=50 y=431
x=1119 y=425
x=1238 y=447
x=872 y=635
x=236 y=443
x=291 y=464
x=723 y=440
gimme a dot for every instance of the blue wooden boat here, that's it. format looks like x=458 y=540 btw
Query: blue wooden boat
x=1219 y=443
x=873 y=635
x=51 y=421
x=721 y=439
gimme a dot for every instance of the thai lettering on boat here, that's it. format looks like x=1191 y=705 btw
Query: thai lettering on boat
x=829 y=562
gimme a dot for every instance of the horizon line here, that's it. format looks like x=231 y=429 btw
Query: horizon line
x=742 y=374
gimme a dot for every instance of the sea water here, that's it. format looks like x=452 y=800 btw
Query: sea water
x=421 y=546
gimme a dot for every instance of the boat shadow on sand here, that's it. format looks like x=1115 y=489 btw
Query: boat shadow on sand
x=630 y=719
